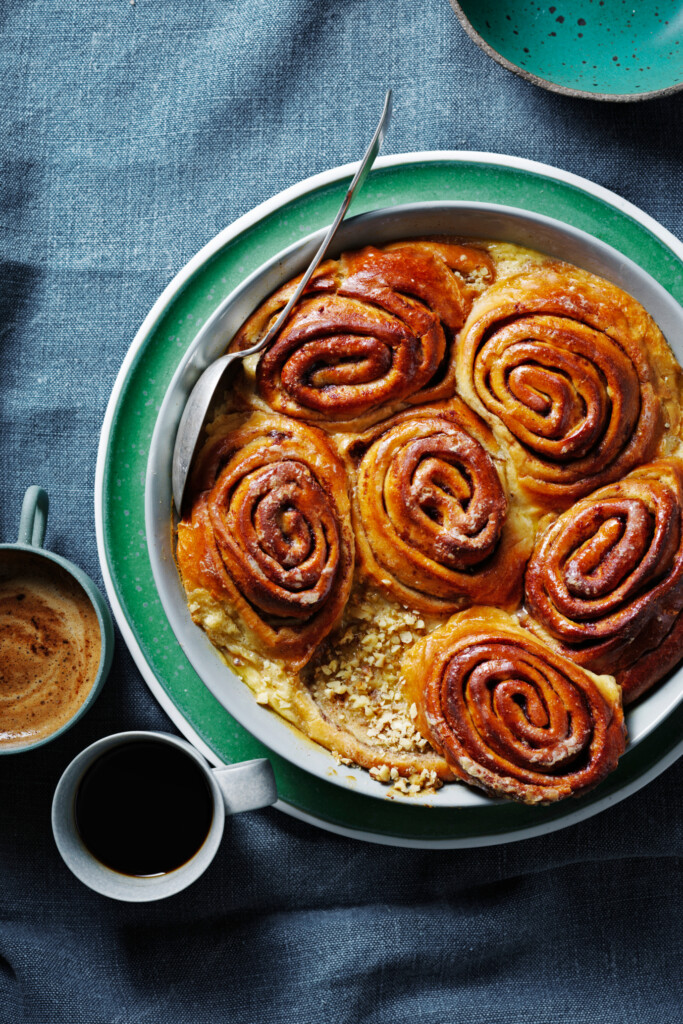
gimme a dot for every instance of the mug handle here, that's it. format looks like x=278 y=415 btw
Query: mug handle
x=33 y=522
x=246 y=786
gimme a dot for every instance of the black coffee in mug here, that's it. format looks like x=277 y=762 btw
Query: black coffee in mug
x=144 y=808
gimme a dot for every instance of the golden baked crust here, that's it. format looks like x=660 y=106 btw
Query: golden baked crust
x=434 y=520
x=373 y=332
x=605 y=581
x=269 y=531
x=509 y=714
x=574 y=378
x=436 y=406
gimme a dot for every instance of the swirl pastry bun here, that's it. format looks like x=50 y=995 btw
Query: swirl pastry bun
x=605 y=581
x=511 y=715
x=374 y=332
x=431 y=513
x=270 y=532
x=574 y=378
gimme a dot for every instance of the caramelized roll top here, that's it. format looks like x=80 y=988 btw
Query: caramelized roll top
x=373 y=331
x=573 y=376
x=269 y=531
x=606 y=578
x=430 y=511
x=511 y=715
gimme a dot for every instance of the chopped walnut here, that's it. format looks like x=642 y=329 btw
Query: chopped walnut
x=361 y=672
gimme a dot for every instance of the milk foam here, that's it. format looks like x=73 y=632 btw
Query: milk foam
x=50 y=646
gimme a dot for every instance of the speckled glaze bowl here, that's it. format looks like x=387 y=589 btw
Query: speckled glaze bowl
x=597 y=49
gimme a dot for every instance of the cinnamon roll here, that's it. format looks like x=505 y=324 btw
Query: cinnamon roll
x=511 y=715
x=431 y=514
x=573 y=376
x=605 y=581
x=373 y=332
x=269 y=534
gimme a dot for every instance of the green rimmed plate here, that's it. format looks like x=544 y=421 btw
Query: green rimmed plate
x=142 y=384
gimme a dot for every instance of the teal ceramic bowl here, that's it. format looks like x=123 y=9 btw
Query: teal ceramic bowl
x=599 y=49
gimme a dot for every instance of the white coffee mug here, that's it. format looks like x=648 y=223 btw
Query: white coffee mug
x=237 y=787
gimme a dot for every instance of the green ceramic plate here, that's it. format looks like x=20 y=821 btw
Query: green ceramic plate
x=598 y=49
x=122 y=464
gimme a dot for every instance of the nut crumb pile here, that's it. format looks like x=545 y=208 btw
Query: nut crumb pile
x=358 y=683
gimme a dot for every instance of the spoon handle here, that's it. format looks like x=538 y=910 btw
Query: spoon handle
x=200 y=399
x=359 y=177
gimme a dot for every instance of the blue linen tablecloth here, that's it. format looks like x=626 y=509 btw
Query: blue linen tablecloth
x=132 y=132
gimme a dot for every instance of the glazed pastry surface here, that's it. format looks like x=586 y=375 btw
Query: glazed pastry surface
x=269 y=531
x=374 y=331
x=574 y=378
x=435 y=523
x=509 y=714
x=605 y=581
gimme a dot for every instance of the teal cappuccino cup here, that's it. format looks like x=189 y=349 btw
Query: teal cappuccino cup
x=56 y=636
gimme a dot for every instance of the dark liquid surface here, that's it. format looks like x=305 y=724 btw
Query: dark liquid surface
x=144 y=808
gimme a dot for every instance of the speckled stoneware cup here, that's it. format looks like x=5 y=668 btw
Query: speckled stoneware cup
x=238 y=787
x=598 y=49
x=28 y=552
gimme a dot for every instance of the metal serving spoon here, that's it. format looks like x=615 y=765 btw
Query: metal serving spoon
x=198 y=404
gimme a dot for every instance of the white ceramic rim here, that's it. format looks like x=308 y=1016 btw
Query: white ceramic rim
x=382 y=225
x=241 y=224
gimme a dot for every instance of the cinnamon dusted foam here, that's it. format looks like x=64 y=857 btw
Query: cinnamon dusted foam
x=50 y=646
